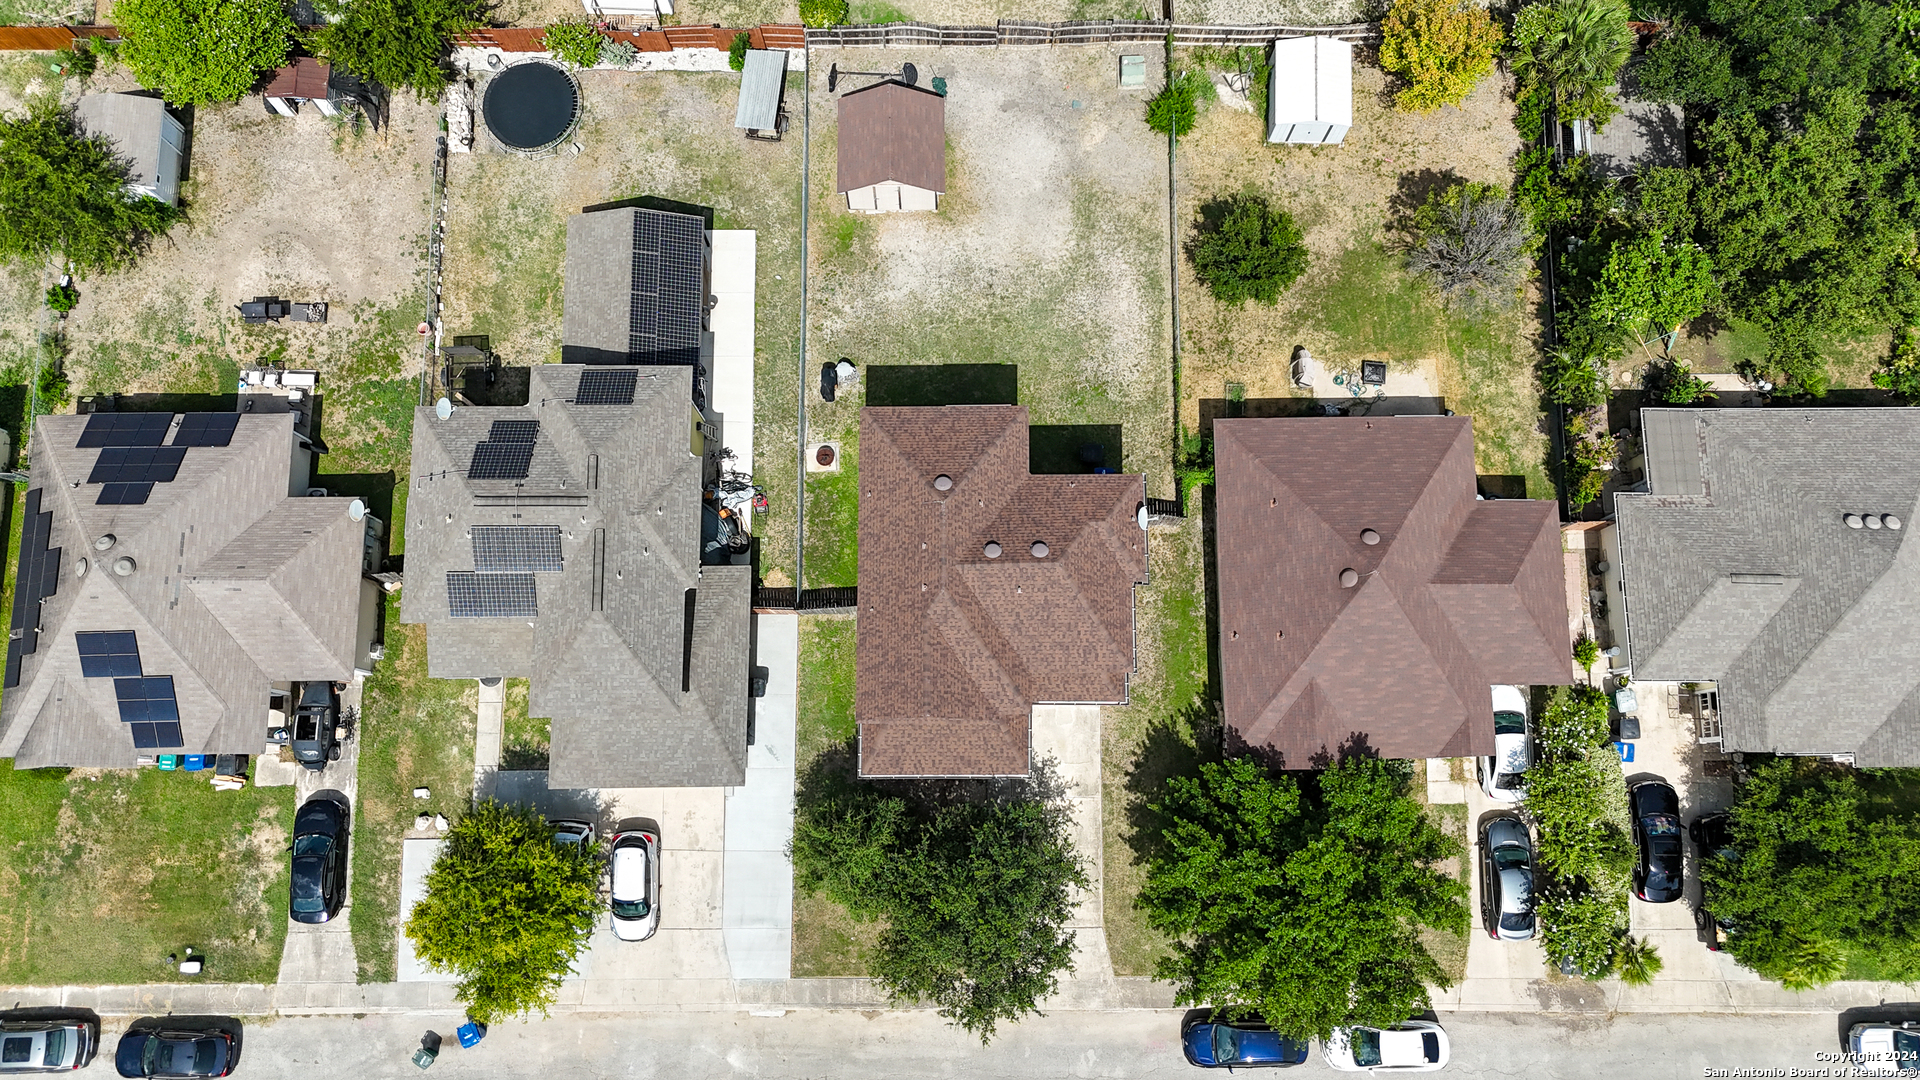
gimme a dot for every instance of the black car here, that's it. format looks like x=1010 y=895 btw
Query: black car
x=1660 y=876
x=1713 y=839
x=174 y=1053
x=1213 y=1043
x=313 y=738
x=319 y=861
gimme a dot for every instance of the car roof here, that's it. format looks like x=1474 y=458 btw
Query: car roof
x=1509 y=699
x=1402 y=1048
x=1516 y=891
x=629 y=873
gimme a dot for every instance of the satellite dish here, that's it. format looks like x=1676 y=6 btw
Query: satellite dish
x=1140 y=516
x=357 y=510
x=443 y=408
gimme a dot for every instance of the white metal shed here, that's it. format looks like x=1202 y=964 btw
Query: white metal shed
x=1310 y=91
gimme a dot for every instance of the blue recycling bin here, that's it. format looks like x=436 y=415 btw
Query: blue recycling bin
x=471 y=1034
x=195 y=762
x=1626 y=750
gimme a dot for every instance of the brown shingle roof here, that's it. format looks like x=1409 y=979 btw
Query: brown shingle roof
x=955 y=648
x=305 y=78
x=1458 y=594
x=892 y=131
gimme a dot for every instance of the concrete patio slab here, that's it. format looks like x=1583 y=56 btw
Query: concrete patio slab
x=416 y=858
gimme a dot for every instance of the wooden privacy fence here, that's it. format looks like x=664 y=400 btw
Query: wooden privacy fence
x=526 y=39
x=1017 y=32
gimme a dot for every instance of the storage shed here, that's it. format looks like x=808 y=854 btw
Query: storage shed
x=1310 y=90
x=762 y=83
x=893 y=148
x=142 y=130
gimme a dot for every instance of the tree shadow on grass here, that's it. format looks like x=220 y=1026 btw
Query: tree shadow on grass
x=833 y=777
x=1174 y=746
x=1411 y=192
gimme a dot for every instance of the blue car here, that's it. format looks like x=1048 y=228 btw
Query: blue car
x=1239 y=1044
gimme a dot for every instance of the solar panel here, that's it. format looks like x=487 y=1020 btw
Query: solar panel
x=108 y=654
x=149 y=736
x=514 y=431
x=137 y=464
x=500 y=461
x=668 y=290
x=501 y=549
x=38 y=578
x=148 y=698
x=606 y=386
x=206 y=429
x=123 y=494
x=126 y=429
x=490 y=596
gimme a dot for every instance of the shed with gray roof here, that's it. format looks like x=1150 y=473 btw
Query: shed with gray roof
x=146 y=134
x=1772 y=554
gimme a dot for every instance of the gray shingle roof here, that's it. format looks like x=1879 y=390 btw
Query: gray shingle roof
x=236 y=585
x=1739 y=569
x=637 y=283
x=619 y=479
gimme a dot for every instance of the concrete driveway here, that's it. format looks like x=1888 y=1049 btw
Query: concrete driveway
x=323 y=953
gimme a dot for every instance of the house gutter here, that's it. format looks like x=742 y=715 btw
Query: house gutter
x=806 y=190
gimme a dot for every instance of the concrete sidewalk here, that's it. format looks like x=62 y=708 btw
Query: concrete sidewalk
x=756 y=875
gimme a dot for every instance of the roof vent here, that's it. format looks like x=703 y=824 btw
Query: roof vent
x=1369 y=537
x=80 y=567
x=1889 y=521
x=1873 y=521
x=943 y=482
x=1855 y=521
x=1349 y=578
x=992 y=550
x=103 y=541
x=1039 y=549
x=124 y=566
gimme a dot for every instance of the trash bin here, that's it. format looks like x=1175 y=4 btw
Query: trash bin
x=471 y=1034
x=423 y=1057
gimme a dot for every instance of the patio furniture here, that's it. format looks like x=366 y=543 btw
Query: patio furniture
x=262 y=309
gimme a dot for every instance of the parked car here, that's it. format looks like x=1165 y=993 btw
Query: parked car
x=1712 y=839
x=634 y=882
x=571 y=831
x=319 y=860
x=1506 y=879
x=174 y=1053
x=44 y=1046
x=1660 y=876
x=1410 y=1046
x=1503 y=776
x=1247 y=1043
x=1885 y=1049
x=314 y=740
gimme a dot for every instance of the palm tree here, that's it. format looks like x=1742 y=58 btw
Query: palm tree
x=1638 y=961
x=1575 y=49
x=1813 y=962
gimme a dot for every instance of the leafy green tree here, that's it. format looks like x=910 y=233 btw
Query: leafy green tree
x=1302 y=905
x=198 y=52
x=1686 y=66
x=63 y=195
x=1440 y=49
x=737 y=52
x=1900 y=372
x=819 y=13
x=574 y=42
x=1245 y=248
x=976 y=893
x=1574 y=49
x=396 y=43
x=1175 y=108
x=1649 y=280
x=507 y=910
x=1472 y=245
x=1672 y=382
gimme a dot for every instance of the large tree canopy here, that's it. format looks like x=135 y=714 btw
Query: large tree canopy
x=976 y=890
x=201 y=51
x=1303 y=905
x=396 y=43
x=63 y=194
x=507 y=909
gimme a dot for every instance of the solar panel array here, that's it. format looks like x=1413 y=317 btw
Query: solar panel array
x=669 y=289
x=137 y=465
x=500 y=461
x=39 y=578
x=606 y=386
x=206 y=429
x=490 y=596
x=499 y=549
x=126 y=429
x=123 y=494
x=147 y=704
x=514 y=431
x=108 y=654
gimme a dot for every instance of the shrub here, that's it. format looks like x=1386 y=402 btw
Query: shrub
x=737 y=52
x=1586 y=652
x=1174 y=109
x=1638 y=961
x=62 y=297
x=1580 y=928
x=1585 y=472
x=1472 y=245
x=1245 y=248
x=1441 y=49
x=78 y=61
x=1900 y=371
x=617 y=54
x=823 y=12
x=1572 y=379
x=1194 y=465
x=574 y=42
x=197 y=52
x=1672 y=382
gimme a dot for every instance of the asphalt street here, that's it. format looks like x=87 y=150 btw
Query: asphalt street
x=906 y=1045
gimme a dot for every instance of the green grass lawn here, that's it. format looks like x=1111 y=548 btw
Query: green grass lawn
x=826 y=940
x=525 y=740
x=415 y=731
x=104 y=873
x=1450 y=950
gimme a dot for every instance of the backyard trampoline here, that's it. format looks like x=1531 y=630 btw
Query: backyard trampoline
x=532 y=106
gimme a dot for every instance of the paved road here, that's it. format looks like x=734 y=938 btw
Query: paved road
x=904 y=1046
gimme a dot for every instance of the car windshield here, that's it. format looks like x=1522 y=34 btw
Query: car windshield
x=1906 y=1049
x=56 y=1048
x=1509 y=723
x=311 y=844
x=1226 y=1044
x=1514 y=922
x=1512 y=781
x=206 y=1056
x=1510 y=858
x=1365 y=1043
x=1661 y=825
x=16 y=1050
x=631 y=909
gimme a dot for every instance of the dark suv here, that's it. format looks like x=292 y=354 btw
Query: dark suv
x=319 y=881
x=311 y=731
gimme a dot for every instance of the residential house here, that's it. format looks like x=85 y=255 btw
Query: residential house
x=984 y=590
x=1368 y=596
x=175 y=574
x=150 y=137
x=1771 y=555
x=893 y=148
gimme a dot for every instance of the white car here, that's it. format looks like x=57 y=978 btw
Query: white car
x=1885 y=1049
x=571 y=831
x=1410 y=1046
x=1503 y=776
x=35 y=1046
x=634 y=880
